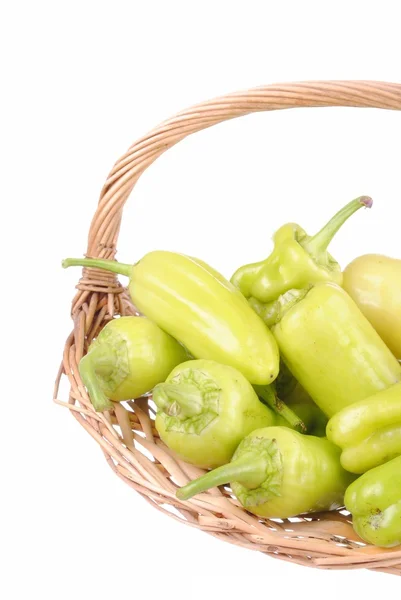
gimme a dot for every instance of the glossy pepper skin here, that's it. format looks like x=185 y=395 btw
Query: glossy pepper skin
x=279 y=473
x=204 y=410
x=374 y=282
x=297 y=260
x=330 y=347
x=197 y=306
x=127 y=359
x=374 y=500
x=368 y=431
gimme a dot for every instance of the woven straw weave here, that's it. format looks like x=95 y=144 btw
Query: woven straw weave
x=127 y=435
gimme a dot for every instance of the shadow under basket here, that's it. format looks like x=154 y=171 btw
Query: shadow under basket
x=127 y=435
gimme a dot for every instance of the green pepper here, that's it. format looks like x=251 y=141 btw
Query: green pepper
x=374 y=500
x=204 y=410
x=368 y=431
x=278 y=473
x=297 y=259
x=330 y=347
x=127 y=359
x=374 y=282
x=197 y=306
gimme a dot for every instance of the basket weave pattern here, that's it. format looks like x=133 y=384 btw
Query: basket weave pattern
x=127 y=435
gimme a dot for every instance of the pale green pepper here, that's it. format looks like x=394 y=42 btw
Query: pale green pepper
x=127 y=359
x=204 y=410
x=279 y=473
x=374 y=282
x=329 y=346
x=369 y=431
x=297 y=260
x=374 y=500
x=198 y=307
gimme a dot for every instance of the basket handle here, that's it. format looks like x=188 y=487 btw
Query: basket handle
x=105 y=224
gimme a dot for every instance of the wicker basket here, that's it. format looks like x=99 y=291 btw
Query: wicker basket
x=127 y=436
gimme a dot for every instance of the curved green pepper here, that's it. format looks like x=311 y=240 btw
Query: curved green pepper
x=368 y=431
x=204 y=410
x=374 y=500
x=197 y=306
x=127 y=359
x=330 y=347
x=279 y=473
x=297 y=259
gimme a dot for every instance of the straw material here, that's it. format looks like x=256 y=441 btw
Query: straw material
x=127 y=435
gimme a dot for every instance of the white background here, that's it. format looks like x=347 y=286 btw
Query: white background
x=81 y=81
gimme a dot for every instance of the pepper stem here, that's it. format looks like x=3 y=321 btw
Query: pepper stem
x=89 y=368
x=249 y=472
x=178 y=400
x=269 y=397
x=99 y=263
x=317 y=244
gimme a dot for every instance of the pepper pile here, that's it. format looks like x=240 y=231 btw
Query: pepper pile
x=284 y=382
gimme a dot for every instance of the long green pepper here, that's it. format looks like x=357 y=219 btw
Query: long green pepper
x=198 y=307
x=279 y=473
x=329 y=346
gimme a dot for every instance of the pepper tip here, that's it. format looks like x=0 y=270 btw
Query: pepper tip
x=366 y=201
